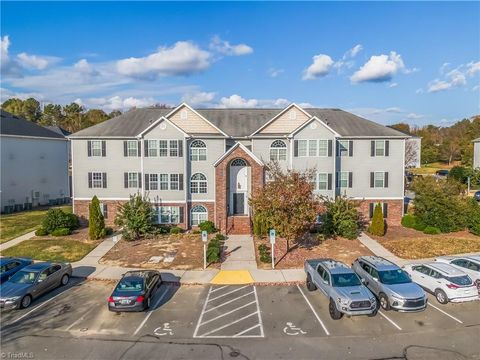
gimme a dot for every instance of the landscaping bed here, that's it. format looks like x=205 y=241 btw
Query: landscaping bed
x=310 y=248
x=15 y=225
x=412 y=244
x=184 y=250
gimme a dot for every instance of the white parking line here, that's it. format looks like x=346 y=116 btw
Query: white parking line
x=150 y=311
x=79 y=319
x=228 y=293
x=220 y=288
x=227 y=313
x=229 y=324
x=202 y=313
x=453 y=317
x=258 y=312
x=229 y=301
x=313 y=310
x=247 y=330
x=390 y=320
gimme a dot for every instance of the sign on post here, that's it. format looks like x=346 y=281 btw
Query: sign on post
x=204 y=236
x=204 y=239
x=272 y=242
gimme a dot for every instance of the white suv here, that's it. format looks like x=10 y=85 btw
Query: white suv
x=470 y=265
x=445 y=281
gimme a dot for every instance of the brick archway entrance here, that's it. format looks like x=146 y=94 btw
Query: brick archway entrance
x=225 y=218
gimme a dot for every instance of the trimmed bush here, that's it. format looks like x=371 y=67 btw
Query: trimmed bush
x=61 y=232
x=213 y=251
x=207 y=226
x=96 y=222
x=419 y=226
x=264 y=253
x=377 y=227
x=176 y=230
x=473 y=211
x=220 y=237
x=409 y=221
x=348 y=228
x=432 y=230
x=341 y=218
x=136 y=218
x=41 y=232
x=57 y=218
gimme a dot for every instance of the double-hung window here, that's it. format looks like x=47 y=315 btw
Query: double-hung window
x=96 y=147
x=199 y=214
x=163 y=148
x=343 y=147
x=173 y=148
x=198 y=151
x=97 y=180
x=302 y=148
x=169 y=214
x=153 y=181
x=133 y=180
x=343 y=181
x=278 y=151
x=174 y=181
x=132 y=147
x=163 y=181
x=152 y=148
x=198 y=184
x=379 y=147
x=322 y=181
x=312 y=147
x=322 y=147
x=379 y=180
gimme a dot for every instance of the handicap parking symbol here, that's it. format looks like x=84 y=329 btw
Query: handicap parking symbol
x=163 y=330
x=291 y=329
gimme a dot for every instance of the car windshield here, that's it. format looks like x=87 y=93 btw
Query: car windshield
x=3 y=269
x=392 y=277
x=342 y=280
x=24 y=277
x=130 y=284
x=463 y=280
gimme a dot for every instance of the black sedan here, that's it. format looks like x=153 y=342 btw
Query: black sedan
x=476 y=196
x=134 y=291
x=9 y=266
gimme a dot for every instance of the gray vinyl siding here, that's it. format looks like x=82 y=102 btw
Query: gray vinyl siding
x=476 y=154
x=30 y=165
x=261 y=149
x=361 y=164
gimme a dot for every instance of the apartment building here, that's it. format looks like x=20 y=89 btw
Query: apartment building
x=204 y=164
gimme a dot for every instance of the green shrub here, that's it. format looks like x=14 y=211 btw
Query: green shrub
x=264 y=253
x=220 y=237
x=176 y=230
x=96 y=222
x=473 y=211
x=136 y=218
x=196 y=232
x=348 y=228
x=207 y=226
x=432 y=230
x=61 y=232
x=409 y=221
x=260 y=226
x=419 y=226
x=341 y=218
x=57 y=218
x=377 y=227
x=213 y=251
x=41 y=232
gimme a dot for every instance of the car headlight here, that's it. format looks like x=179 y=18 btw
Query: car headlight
x=12 y=299
x=398 y=299
x=373 y=300
x=342 y=301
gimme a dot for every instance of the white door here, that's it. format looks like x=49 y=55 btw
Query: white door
x=238 y=188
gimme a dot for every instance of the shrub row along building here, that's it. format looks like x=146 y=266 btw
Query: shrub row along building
x=199 y=164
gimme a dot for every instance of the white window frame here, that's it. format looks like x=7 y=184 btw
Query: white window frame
x=302 y=151
x=278 y=150
x=320 y=148
x=173 y=148
x=198 y=214
x=152 y=148
x=312 y=148
x=174 y=181
x=320 y=188
x=198 y=153
x=163 y=182
x=96 y=145
x=163 y=150
x=377 y=149
x=97 y=180
x=132 y=180
x=346 y=145
x=382 y=173
x=132 y=148
x=343 y=174
x=198 y=186
x=171 y=214
x=153 y=181
x=292 y=115
x=184 y=114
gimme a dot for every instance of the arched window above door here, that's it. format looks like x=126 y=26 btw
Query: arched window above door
x=238 y=162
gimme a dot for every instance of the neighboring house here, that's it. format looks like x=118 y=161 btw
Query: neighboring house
x=34 y=164
x=204 y=164
x=413 y=150
x=65 y=133
x=476 y=153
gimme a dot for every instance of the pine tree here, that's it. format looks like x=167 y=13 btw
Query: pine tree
x=377 y=227
x=96 y=222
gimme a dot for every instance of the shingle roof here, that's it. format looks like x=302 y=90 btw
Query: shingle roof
x=14 y=125
x=237 y=122
x=58 y=130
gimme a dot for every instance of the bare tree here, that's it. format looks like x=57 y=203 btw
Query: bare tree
x=412 y=153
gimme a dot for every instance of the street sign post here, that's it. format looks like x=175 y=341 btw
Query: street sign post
x=204 y=239
x=272 y=242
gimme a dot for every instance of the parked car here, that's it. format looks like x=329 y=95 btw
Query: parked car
x=33 y=281
x=476 y=196
x=9 y=266
x=341 y=286
x=390 y=284
x=134 y=291
x=445 y=281
x=442 y=173
x=470 y=265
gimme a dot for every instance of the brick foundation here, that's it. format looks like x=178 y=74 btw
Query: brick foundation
x=81 y=210
x=395 y=210
x=239 y=225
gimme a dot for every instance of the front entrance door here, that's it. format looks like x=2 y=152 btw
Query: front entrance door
x=238 y=187
x=239 y=203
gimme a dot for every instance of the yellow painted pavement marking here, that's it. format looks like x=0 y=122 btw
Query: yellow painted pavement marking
x=232 y=277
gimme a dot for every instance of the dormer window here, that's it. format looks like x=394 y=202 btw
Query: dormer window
x=293 y=114
x=184 y=115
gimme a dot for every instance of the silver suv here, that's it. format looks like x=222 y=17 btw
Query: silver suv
x=390 y=284
x=341 y=286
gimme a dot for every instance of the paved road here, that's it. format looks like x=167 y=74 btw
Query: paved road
x=223 y=322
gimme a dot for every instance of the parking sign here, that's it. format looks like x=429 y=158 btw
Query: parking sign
x=272 y=236
x=204 y=236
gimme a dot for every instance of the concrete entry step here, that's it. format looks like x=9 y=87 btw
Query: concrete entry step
x=239 y=253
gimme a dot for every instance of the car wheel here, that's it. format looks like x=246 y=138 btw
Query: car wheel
x=383 y=299
x=374 y=312
x=25 y=302
x=65 y=279
x=334 y=313
x=442 y=298
x=310 y=285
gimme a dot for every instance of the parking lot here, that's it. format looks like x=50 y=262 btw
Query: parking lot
x=281 y=316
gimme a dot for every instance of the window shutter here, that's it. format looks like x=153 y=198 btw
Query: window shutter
x=147 y=182
x=337 y=179
x=370 y=210
x=182 y=214
x=385 y=210
x=139 y=148
x=89 y=179
x=350 y=179
x=180 y=148
x=372 y=148
x=329 y=185
x=295 y=148
x=125 y=153
x=372 y=179
x=104 y=179
x=145 y=146
x=125 y=180
x=105 y=211
x=104 y=148
x=330 y=147
x=387 y=148
x=139 y=176
x=386 y=180
x=350 y=148
x=89 y=147
x=180 y=182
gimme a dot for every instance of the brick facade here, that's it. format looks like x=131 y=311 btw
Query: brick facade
x=210 y=206
x=395 y=210
x=81 y=209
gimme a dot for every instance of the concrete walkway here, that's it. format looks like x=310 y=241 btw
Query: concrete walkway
x=239 y=253
x=17 y=240
x=379 y=250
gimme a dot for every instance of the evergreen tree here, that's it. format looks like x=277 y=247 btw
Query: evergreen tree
x=96 y=222
x=377 y=226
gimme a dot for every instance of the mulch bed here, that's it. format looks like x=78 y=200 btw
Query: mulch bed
x=80 y=234
x=310 y=248
x=188 y=249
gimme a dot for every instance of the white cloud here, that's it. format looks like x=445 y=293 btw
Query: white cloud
x=354 y=51
x=273 y=72
x=225 y=48
x=236 y=101
x=392 y=85
x=473 y=68
x=476 y=87
x=457 y=78
x=320 y=67
x=84 y=67
x=444 y=67
x=454 y=78
x=199 y=98
x=36 y=61
x=387 y=110
x=8 y=66
x=438 y=85
x=119 y=103
x=413 y=116
x=379 y=68
x=183 y=58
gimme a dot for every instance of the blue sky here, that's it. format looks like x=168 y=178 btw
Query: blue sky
x=417 y=62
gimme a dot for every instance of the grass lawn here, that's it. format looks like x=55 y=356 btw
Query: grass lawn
x=14 y=225
x=431 y=168
x=62 y=250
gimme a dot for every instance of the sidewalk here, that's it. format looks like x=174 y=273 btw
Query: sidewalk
x=17 y=240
